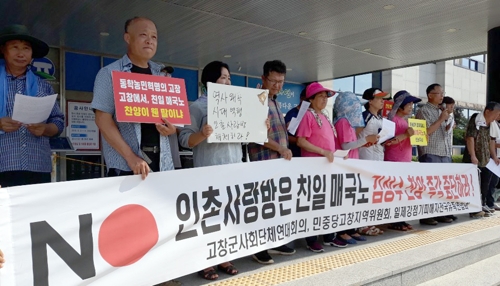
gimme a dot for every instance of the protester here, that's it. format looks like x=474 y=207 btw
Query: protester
x=316 y=138
x=480 y=148
x=2 y=259
x=348 y=118
x=399 y=148
x=132 y=148
x=173 y=139
x=449 y=105
x=204 y=154
x=25 y=155
x=373 y=124
x=438 y=148
x=273 y=78
x=293 y=113
x=495 y=133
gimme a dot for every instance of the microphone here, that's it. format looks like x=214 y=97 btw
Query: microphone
x=169 y=69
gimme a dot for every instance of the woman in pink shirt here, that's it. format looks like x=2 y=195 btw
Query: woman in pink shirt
x=348 y=118
x=398 y=149
x=316 y=138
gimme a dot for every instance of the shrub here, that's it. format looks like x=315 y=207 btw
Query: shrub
x=457 y=158
x=454 y=158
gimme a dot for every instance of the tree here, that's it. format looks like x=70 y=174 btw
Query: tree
x=459 y=131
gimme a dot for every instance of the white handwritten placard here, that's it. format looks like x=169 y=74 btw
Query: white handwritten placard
x=237 y=114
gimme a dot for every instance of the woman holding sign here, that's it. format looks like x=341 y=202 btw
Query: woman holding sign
x=204 y=154
x=399 y=148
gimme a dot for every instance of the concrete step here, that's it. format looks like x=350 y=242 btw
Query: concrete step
x=482 y=273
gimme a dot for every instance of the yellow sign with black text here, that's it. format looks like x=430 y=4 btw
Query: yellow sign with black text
x=420 y=128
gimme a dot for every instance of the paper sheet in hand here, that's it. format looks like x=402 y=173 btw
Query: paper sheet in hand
x=388 y=131
x=30 y=109
x=341 y=153
x=494 y=168
x=294 y=123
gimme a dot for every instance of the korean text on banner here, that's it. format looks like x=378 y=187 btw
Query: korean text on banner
x=237 y=114
x=146 y=98
x=122 y=230
x=82 y=130
x=420 y=128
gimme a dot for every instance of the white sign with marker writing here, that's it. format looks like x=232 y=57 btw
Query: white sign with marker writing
x=237 y=114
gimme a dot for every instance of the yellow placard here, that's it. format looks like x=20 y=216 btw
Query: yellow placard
x=420 y=128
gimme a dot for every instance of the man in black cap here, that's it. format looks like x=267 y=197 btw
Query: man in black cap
x=24 y=148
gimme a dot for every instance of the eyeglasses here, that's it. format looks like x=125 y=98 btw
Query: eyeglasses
x=439 y=93
x=273 y=82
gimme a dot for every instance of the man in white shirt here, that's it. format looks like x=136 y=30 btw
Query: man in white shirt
x=495 y=133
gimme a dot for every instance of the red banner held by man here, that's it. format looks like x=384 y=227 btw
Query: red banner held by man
x=145 y=98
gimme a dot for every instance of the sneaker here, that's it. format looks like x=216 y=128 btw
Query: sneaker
x=496 y=207
x=452 y=217
x=282 y=250
x=428 y=221
x=487 y=209
x=336 y=243
x=263 y=257
x=315 y=247
x=170 y=283
x=477 y=215
x=444 y=219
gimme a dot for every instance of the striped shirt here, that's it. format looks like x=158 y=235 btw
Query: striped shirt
x=131 y=132
x=439 y=141
x=20 y=150
x=278 y=133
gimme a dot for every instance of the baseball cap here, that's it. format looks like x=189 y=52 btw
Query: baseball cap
x=374 y=92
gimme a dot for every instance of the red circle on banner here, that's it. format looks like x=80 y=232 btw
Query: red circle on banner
x=127 y=234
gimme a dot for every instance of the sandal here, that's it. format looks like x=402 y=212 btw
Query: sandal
x=208 y=274
x=370 y=231
x=398 y=226
x=378 y=230
x=230 y=269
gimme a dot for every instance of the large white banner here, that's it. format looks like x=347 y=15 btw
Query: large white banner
x=237 y=114
x=125 y=231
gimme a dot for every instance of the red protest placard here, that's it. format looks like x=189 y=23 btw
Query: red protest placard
x=143 y=98
x=387 y=108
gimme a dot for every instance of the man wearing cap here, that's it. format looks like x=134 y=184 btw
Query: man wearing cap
x=373 y=124
x=24 y=148
x=438 y=147
x=132 y=148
